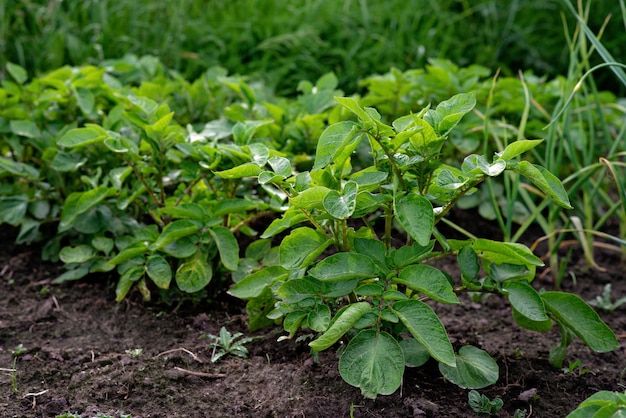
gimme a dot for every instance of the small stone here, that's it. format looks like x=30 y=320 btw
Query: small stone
x=527 y=395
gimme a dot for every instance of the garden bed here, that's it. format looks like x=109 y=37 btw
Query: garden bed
x=85 y=354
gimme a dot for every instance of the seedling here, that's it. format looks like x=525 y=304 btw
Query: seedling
x=605 y=301
x=227 y=343
x=481 y=404
x=575 y=368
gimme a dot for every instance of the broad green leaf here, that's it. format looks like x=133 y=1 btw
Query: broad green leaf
x=429 y=281
x=79 y=137
x=524 y=322
x=131 y=251
x=290 y=218
x=121 y=145
x=159 y=271
x=344 y=321
x=354 y=106
x=65 y=162
x=85 y=99
x=296 y=290
x=175 y=231
x=410 y=254
x=526 y=301
x=103 y=244
x=449 y=112
x=18 y=169
x=319 y=318
x=370 y=289
x=194 y=274
x=545 y=181
x=280 y=166
x=73 y=274
x=78 y=203
x=602 y=404
x=331 y=141
x=181 y=248
x=368 y=177
x=254 y=284
x=310 y=198
x=241 y=171
x=293 y=320
x=415 y=214
x=345 y=266
x=126 y=282
x=505 y=252
x=341 y=206
x=424 y=138
x=18 y=73
x=415 y=355
x=518 y=147
x=374 y=362
x=501 y=273
x=227 y=246
x=575 y=314
x=13 y=209
x=78 y=254
x=425 y=326
x=475 y=369
x=26 y=128
x=477 y=164
x=301 y=247
x=468 y=263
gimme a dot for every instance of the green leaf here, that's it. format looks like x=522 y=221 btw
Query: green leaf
x=526 y=301
x=194 y=274
x=18 y=169
x=80 y=137
x=342 y=323
x=175 y=231
x=181 y=248
x=13 y=209
x=78 y=203
x=301 y=247
x=545 y=181
x=449 y=112
x=415 y=214
x=85 y=99
x=241 y=171
x=345 y=266
x=319 y=318
x=415 y=355
x=73 y=274
x=468 y=263
x=78 y=254
x=571 y=311
x=290 y=218
x=311 y=198
x=524 y=322
x=159 y=271
x=131 y=251
x=18 y=73
x=429 y=281
x=254 y=284
x=475 y=369
x=297 y=290
x=518 y=147
x=354 y=106
x=26 y=128
x=227 y=246
x=341 y=206
x=126 y=281
x=425 y=326
x=374 y=362
x=331 y=141
x=280 y=166
x=602 y=404
x=505 y=252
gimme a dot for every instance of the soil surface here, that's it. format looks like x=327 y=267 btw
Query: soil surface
x=83 y=353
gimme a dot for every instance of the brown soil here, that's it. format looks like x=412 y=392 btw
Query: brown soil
x=77 y=357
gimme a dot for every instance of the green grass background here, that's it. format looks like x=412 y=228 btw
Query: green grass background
x=285 y=41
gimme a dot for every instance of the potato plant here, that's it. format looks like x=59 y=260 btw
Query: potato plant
x=339 y=276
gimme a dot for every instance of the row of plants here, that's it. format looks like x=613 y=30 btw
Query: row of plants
x=322 y=211
x=304 y=39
